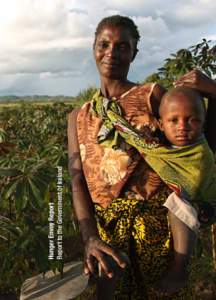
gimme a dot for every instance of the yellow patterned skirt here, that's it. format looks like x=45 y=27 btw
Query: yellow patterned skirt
x=140 y=229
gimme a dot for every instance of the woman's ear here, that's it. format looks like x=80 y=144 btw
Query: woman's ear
x=160 y=124
x=135 y=53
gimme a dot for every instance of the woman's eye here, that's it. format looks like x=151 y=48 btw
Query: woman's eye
x=123 y=47
x=103 y=45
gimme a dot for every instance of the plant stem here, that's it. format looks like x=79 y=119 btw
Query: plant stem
x=213 y=245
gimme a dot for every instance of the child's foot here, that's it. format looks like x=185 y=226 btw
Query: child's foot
x=171 y=283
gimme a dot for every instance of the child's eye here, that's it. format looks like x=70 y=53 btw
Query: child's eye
x=195 y=120
x=173 y=120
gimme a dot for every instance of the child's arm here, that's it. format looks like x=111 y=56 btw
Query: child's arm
x=184 y=239
x=183 y=243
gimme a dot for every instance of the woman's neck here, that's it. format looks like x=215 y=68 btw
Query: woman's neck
x=115 y=88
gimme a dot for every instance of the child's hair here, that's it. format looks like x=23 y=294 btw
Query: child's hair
x=191 y=93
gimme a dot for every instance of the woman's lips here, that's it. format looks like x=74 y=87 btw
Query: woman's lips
x=111 y=64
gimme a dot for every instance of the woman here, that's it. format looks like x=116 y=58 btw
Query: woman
x=117 y=197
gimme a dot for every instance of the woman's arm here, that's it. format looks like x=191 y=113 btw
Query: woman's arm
x=81 y=198
x=95 y=248
x=156 y=96
x=207 y=86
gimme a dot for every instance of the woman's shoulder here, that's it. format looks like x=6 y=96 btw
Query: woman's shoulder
x=157 y=93
x=72 y=116
x=152 y=88
x=149 y=94
x=158 y=90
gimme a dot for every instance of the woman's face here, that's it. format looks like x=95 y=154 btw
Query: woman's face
x=114 y=51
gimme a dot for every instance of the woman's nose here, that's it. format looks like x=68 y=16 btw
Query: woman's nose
x=112 y=51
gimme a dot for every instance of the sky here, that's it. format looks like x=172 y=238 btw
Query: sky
x=46 y=45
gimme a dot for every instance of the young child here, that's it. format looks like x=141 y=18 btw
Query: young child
x=186 y=164
x=182 y=116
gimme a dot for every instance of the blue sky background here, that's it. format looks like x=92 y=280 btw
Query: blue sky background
x=46 y=45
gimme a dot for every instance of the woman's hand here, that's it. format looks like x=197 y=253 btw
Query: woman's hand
x=198 y=80
x=98 y=252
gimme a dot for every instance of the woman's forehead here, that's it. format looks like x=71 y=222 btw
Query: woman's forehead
x=115 y=32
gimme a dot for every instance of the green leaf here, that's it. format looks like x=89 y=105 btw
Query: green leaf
x=3 y=237
x=10 y=172
x=36 y=193
x=12 y=228
x=198 y=248
x=9 y=189
x=20 y=199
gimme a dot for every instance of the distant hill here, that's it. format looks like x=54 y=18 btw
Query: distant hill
x=35 y=98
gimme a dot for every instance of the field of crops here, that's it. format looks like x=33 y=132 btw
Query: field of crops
x=33 y=148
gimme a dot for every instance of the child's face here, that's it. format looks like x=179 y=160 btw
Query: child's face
x=182 y=120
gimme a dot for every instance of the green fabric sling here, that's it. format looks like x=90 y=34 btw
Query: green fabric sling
x=188 y=170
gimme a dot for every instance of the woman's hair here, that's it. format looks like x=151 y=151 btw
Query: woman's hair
x=119 y=21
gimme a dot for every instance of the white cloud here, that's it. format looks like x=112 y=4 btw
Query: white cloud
x=46 y=45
